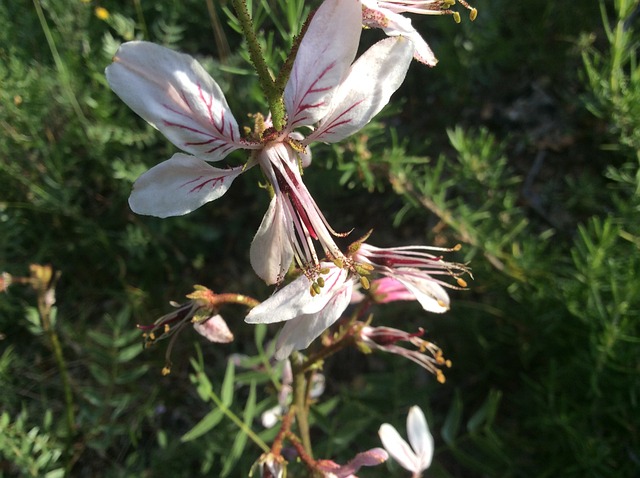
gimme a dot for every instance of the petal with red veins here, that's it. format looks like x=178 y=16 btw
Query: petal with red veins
x=271 y=251
x=325 y=53
x=371 y=81
x=176 y=95
x=178 y=186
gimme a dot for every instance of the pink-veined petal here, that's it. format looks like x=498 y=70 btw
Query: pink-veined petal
x=371 y=81
x=419 y=436
x=297 y=334
x=175 y=94
x=431 y=295
x=271 y=251
x=325 y=53
x=179 y=185
x=398 y=448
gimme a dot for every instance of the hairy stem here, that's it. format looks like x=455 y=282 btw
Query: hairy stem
x=271 y=92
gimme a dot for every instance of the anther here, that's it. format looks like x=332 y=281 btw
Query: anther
x=473 y=14
x=456 y=18
x=166 y=370
x=461 y=282
x=364 y=282
x=320 y=281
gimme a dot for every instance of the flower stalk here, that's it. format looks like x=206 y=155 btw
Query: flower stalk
x=43 y=281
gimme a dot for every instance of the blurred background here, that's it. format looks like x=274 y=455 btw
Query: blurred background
x=522 y=145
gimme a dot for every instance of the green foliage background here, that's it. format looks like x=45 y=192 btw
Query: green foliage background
x=522 y=145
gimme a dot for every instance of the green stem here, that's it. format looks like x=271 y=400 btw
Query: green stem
x=60 y=66
x=143 y=24
x=271 y=92
x=300 y=402
x=239 y=423
x=45 y=317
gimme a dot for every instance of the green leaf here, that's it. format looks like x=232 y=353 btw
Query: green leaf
x=241 y=438
x=129 y=353
x=486 y=413
x=209 y=421
x=226 y=393
x=452 y=422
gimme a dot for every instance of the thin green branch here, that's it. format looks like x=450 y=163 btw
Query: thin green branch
x=60 y=66
x=239 y=423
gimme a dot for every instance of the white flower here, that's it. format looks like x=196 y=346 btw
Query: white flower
x=417 y=457
x=326 y=92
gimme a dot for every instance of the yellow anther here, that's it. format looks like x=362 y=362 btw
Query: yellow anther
x=457 y=247
x=441 y=303
x=324 y=270
x=440 y=376
x=166 y=371
x=152 y=336
x=166 y=328
x=102 y=13
x=448 y=363
x=461 y=282
x=473 y=14
x=364 y=282
x=320 y=281
x=456 y=18
x=447 y=4
x=316 y=288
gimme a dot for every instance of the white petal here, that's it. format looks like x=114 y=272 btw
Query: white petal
x=271 y=252
x=326 y=51
x=372 y=80
x=285 y=304
x=178 y=186
x=295 y=299
x=419 y=436
x=395 y=24
x=297 y=334
x=175 y=94
x=214 y=329
x=398 y=448
x=431 y=295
